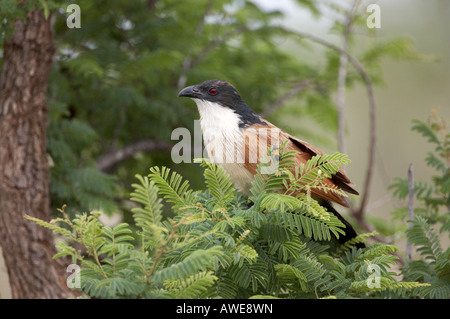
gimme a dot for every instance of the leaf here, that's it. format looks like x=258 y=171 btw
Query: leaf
x=421 y=235
x=145 y=193
x=433 y=161
x=191 y=287
x=281 y=202
x=218 y=183
x=171 y=186
x=311 y=225
x=377 y=250
x=224 y=288
x=275 y=232
x=359 y=239
x=117 y=239
x=426 y=131
x=308 y=265
x=289 y=273
x=250 y=275
x=199 y=260
x=66 y=233
x=401 y=188
x=148 y=217
x=436 y=288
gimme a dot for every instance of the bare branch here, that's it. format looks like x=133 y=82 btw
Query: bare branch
x=186 y=67
x=202 y=21
x=410 y=205
x=358 y=213
x=110 y=160
x=342 y=77
x=218 y=41
x=187 y=63
x=151 y=4
x=285 y=97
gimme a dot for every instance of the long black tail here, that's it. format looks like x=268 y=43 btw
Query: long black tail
x=349 y=230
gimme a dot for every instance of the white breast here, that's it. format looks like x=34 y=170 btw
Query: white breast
x=224 y=141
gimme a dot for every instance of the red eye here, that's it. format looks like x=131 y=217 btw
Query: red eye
x=213 y=91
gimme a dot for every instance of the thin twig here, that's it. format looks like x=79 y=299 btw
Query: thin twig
x=108 y=161
x=151 y=4
x=161 y=251
x=359 y=212
x=201 y=22
x=190 y=63
x=410 y=205
x=342 y=77
x=218 y=41
x=285 y=97
x=187 y=63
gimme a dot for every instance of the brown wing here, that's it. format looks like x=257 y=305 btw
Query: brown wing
x=259 y=137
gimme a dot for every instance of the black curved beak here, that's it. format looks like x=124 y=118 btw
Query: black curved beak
x=190 y=91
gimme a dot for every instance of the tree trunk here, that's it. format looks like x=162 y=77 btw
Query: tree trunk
x=24 y=173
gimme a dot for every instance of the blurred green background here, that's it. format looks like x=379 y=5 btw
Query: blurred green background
x=115 y=81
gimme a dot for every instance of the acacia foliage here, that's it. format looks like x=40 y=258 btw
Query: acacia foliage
x=220 y=245
x=431 y=213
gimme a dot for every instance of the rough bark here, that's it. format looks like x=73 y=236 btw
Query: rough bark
x=24 y=173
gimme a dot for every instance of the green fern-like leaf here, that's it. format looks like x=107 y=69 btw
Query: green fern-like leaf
x=111 y=287
x=281 y=202
x=191 y=287
x=171 y=186
x=400 y=188
x=310 y=225
x=326 y=164
x=255 y=217
x=312 y=269
x=90 y=228
x=116 y=247
x=244 y=252
x=264 y=183
x=148 y=216
x=377 y=250
x=289 y=250
x=50 y=225
x=275 y=232
x=426 y=131
x=252 y=275
x=145 y=193
x=288 y=273
x=433 y=161
x=385 y=283
x=435 y=289
x=119 y=235
x=199 y=260
x=421 y=234
x=218 y=183
x=361 y=238
x=443 y=265
x=224 y=287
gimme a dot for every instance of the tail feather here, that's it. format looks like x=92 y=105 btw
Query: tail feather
x=349 y=230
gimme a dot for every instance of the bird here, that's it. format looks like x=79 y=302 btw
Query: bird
x=235 y=137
